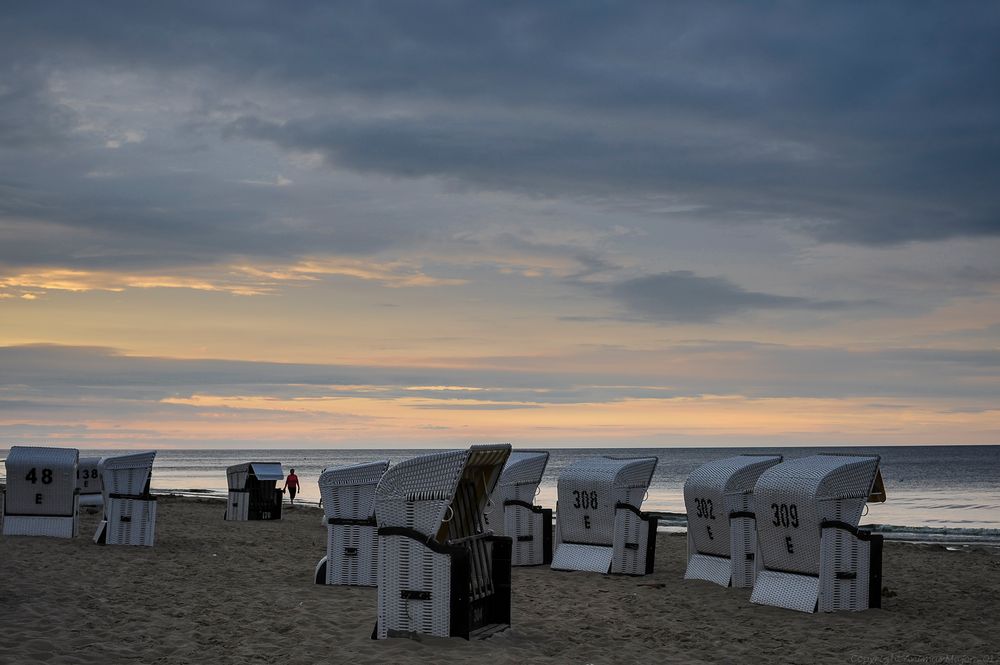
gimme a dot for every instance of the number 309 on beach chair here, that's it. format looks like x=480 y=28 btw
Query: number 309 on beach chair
x=813 y=555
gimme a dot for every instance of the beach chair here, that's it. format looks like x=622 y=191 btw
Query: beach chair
x=253 y=494
x=511 y=510
x=441 y=572
x=813 y=555
x=599 y=526
x=42 y=499
x=88 y=482
x=129 y=508
x=348 y=494
x=722 y=531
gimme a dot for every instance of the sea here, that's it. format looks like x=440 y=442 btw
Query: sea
x=947 y=494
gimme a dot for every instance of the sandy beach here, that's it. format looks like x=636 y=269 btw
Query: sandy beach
x=242 y=592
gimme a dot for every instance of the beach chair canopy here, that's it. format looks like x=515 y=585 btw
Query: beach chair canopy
x=41 y=482
x=348 y=492
x=421 y=493
x=792 y=501
x=715 y=492
x=128 y=474
x=238 y=474
x=518 y=482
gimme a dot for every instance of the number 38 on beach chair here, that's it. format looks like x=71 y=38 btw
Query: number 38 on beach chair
x=441 y=571
x=722 y=531
x=599 y=526
x=42 y=498
x=813 y=555
x=129 y=508
x=348 y=494
x=512 y=511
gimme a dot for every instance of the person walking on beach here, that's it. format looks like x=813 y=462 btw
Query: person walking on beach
x=292 y=485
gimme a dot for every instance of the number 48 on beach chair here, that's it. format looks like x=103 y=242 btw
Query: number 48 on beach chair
x=722 y=529
x=348 y=494
x=813 y=555
x=42 y=498
x=441 y=571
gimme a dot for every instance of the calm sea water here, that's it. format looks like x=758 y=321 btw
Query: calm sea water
x=934 y=492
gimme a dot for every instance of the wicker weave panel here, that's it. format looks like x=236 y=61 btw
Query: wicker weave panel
x=788 y=590
x=53 y=527
x=593 y=558
x=413 y=567
x=130 y=522
x=709 y=568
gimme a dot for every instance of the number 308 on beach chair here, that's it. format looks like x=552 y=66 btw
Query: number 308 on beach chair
x=441 y=572
x=813 y=555
x=348 y=494
x=512 y=511
x=722 y=531
x=599 y=526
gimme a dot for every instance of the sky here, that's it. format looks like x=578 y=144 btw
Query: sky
x=398 y=224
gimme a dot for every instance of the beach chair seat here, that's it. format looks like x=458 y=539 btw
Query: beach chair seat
x=41 y=498
x=348 y=494
x=129 y=508
x=253 y=492
x=599 y=524
x=511 y=510
x=722 y=530
x=441 y=571
x=813 y=555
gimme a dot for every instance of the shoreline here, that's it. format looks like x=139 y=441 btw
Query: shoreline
x=671 y=522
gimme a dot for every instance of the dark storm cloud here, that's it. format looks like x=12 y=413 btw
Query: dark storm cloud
x=848 y=122
x=682 y=296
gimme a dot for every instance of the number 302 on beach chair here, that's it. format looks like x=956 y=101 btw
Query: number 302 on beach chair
x=441 y=572
x=813 y=555
x=722 y=530
x=512 y=511
x=599 y=526
x=348 y=494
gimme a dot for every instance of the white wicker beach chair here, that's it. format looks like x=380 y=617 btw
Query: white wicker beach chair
x=722 y=531
x=440 y=571
x=599 y=526
x=42 y=499
x=511 y=511
x=88 y=482
x=253 y=494
x=813 y=555
x=129 y=508
x=349 y=505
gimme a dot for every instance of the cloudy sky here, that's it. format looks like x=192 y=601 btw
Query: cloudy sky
x=562 y=224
